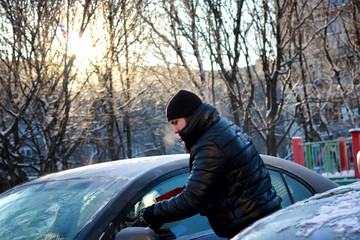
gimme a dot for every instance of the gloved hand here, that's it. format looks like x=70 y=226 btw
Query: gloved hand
x=145 y=212
x=141 y=219
x=138 y=221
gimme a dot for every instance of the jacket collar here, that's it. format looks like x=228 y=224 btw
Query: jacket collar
x=203 y=118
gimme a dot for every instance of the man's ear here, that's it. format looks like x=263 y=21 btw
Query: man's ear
x=187 y=119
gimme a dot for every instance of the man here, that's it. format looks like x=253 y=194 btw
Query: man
x=228 y=183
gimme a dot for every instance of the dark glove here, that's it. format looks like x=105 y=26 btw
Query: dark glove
x=144 y=214
x=137 y=221
x=141 y=220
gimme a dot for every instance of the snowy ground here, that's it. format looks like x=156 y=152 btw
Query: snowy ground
x=343 y=174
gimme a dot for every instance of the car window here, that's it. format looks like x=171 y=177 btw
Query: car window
x=176 y=229
x=298 y=190
x=288 y=188
x=279 y=185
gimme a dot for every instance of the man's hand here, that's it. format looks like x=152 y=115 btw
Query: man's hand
x=141 y=219
x=142 y=222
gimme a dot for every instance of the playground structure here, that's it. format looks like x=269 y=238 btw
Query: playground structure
x=337 y=159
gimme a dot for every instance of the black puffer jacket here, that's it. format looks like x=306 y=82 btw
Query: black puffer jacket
x=228 y=182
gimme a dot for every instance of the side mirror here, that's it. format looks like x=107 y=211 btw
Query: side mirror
x=136 y=233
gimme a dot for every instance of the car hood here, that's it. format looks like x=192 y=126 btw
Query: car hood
x=334 y=214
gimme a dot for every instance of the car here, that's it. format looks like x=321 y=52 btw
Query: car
x=98 y=201
x=331 y=215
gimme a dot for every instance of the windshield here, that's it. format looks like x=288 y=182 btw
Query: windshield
x=53 y=210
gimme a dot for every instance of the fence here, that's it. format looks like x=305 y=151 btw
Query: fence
x=333 y=156
x=328 y=156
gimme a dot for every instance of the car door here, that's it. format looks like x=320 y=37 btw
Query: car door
x=197 y=227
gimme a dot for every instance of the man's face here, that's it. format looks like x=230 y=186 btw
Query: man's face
x=178 y=124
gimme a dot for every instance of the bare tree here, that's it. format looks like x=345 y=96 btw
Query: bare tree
x=119 y=80
x=37 y=133
x=274 y=67
x=327 y=70
x=176 y=24
x=253 y=47
x=228 y=44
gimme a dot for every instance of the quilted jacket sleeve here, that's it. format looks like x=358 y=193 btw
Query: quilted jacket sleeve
x=208 y=166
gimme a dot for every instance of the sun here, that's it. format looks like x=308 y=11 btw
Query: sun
x=81 y=47
x=84 y=49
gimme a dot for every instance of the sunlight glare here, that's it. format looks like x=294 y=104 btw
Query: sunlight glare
x=83 y=48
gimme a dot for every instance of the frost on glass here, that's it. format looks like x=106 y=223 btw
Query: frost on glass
x=52 y=210
x=333 y=214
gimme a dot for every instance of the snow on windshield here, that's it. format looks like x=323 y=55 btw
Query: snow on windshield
x=341 y=214
x=53 y=210
x=334 y=214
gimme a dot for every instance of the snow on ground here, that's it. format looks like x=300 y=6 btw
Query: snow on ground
x=343 y=174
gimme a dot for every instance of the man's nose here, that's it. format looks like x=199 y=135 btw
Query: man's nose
x=176 y=130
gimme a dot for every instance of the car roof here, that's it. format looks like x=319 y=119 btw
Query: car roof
x=129 y=169
x=333 y=214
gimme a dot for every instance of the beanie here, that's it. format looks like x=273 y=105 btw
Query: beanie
x=183 y=104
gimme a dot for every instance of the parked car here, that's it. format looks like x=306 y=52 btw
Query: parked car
x=99 y=200
x=330 y=215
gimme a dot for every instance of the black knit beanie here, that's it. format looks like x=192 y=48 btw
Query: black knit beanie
x=183 y=104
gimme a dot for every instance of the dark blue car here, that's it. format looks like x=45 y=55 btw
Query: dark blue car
x=100 y=200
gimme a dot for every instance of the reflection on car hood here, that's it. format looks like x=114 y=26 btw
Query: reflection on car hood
x=334 y=214
x=126 y=169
